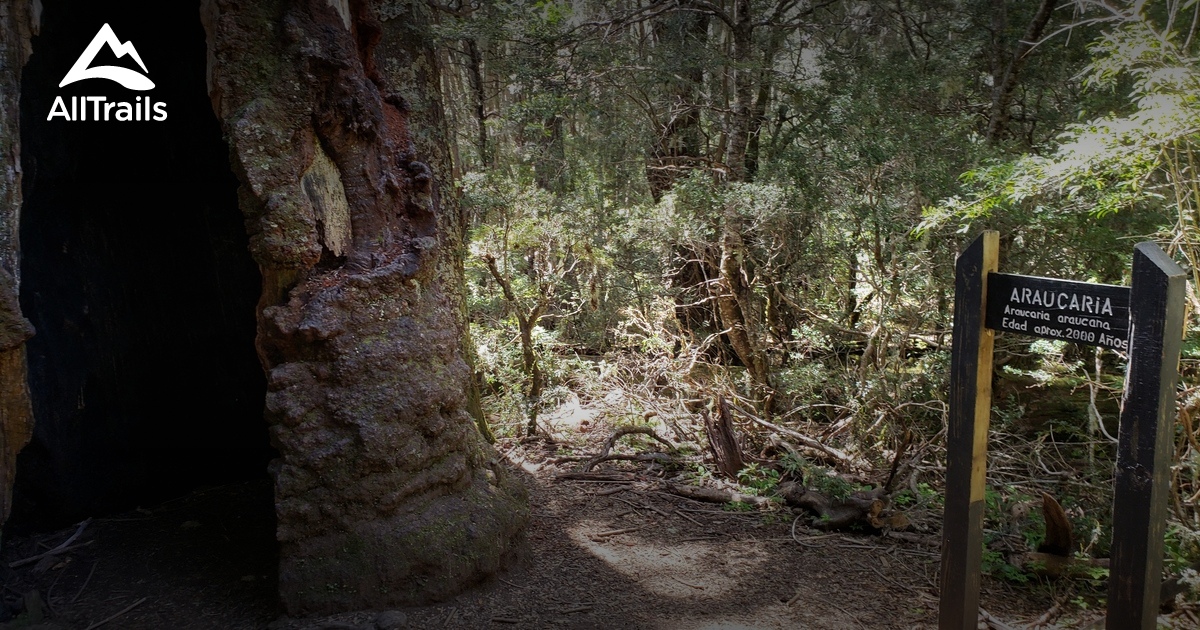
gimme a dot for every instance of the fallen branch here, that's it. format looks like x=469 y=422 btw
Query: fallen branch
x=992 y=622
x=837 y=513
x=714 y=495
x=1048 y=615
x=596 y=477
x=614 y=532
x=612 y=441
x=641 y=457
x=85 y=582
x=916 y=539
x=804 y=440
x=118 y=614
x=904 y=444
x=64 y=546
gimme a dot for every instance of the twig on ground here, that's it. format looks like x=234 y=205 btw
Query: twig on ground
x=1049 y=614
x=641 y=457
x=992 y=622
x=916 y=539
x=117 y=614
x=660 y=512
x=596 y=477
x=614 y=532
x=694 y=521
x=699 y=588
x=904 y=444
x=64 y=546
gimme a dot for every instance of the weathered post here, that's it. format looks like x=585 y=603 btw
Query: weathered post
x=1146 y=434
x=970 y=408
x=1145 y=320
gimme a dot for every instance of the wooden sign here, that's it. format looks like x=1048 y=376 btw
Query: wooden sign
x=1146 y=320
x=1092 y=314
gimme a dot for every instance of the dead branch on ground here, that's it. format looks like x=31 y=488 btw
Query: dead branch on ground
x=866 y=506
x=837 y=456
x=714 y=495
x=604 y=454
x=63 y=547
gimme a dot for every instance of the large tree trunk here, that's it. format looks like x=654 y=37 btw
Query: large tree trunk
x=386 y=494
x=16 y=415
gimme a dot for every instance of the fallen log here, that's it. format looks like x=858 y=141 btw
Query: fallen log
x=833 y=513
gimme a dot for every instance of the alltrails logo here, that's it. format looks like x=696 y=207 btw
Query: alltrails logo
x=101 y=108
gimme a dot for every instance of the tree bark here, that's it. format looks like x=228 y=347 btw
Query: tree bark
x=386 y=493
x=475 y=73
x=1004 y=84
x=743 y=89
x=722 y=441
x=17 y=25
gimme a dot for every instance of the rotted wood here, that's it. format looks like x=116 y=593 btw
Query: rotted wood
x=866 y=507
x=722 y=441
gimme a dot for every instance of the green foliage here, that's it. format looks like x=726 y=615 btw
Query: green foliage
x=833 y=244
x=995 y=565
x=738 y=506
x=925 y=495
x=1131 y=161
x=759 y=479
x=1181 y=547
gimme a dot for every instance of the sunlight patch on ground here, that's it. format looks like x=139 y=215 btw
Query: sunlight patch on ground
x=685 y=569
x=569 y=416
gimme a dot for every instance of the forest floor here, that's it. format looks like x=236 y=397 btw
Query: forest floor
x=610 y=551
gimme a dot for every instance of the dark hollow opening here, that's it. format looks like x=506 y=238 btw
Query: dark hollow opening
x=136 y=274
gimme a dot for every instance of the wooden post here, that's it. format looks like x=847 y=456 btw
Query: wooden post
x=1146 y=440
x=966 y=441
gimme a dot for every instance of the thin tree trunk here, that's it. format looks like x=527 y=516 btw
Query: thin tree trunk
x=475 y=73
x=743 y=90
x=1004 y=85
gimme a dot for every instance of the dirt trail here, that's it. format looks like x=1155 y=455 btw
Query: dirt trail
x=600 y=555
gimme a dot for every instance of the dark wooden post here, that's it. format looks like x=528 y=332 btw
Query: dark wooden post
x=966 y=441
x=1145 y=448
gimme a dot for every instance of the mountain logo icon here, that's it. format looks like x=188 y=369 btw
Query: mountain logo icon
x=130 y=79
